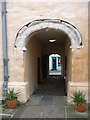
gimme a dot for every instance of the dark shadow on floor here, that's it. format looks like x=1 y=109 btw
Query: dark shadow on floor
x=54 y=85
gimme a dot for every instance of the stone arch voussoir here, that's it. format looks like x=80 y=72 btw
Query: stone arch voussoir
x=70 y=30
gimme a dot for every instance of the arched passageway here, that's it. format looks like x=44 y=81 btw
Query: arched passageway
x=34 y=39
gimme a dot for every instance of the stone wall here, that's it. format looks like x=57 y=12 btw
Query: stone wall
x=68 y=54
x=30 y=63
x=18 y=14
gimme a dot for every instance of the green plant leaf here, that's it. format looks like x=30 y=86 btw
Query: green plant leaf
x=78 y=97
x=11 y=95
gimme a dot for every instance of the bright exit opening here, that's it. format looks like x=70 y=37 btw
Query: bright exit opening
x=55 y=64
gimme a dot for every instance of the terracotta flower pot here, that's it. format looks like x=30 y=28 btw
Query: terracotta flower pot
x=12 y=103
x=80 y=106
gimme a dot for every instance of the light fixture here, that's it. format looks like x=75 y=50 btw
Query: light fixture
x=52 y=40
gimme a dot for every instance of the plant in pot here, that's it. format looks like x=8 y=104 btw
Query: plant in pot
x=11 y=98
x=79 y=100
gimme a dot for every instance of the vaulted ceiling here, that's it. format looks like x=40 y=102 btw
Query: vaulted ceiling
x=44 y=35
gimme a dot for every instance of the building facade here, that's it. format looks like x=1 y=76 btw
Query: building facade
x=29 y=27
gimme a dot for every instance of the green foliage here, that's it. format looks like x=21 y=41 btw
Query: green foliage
x=78 y=97
x=11 y=95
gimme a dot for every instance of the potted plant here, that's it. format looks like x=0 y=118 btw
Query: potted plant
x=79 y=100
x=11 y=98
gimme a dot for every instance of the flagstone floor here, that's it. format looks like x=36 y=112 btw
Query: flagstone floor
x=48 y=101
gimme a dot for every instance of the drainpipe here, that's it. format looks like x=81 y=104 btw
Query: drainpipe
x=4 y=41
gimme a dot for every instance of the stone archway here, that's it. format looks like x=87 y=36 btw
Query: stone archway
x=29 y=29
x=70 y=30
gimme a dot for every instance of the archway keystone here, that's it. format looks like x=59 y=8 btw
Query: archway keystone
x=57 y=24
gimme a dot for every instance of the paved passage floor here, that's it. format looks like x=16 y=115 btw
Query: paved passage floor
x=48 y=100
x=54 y=85
x=46 y=106
x=54 y=72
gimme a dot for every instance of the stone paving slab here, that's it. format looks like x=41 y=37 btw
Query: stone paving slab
x=43 y=109
x=60 y=101
x=53 y=112
x=35 y=100
x=40 y=112
x=46 y=100
x=28 y=112
x=6 y=117
x=0 y=109
x=0 y=117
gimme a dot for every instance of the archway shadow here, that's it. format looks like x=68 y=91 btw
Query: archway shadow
x=53 y=85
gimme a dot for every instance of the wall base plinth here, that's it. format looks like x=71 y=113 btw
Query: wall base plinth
x=72 y=86
x=23 y=87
